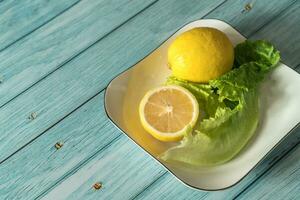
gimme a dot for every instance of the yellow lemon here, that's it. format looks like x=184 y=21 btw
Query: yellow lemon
x=168 y=112
x=200 y=54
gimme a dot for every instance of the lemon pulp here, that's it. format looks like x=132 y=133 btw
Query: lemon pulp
x=168 y=111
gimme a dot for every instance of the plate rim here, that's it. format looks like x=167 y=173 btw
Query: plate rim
x=162 y=164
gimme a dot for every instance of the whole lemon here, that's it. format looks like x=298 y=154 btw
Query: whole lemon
x=200 y=54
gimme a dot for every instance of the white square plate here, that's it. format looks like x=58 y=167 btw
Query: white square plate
x=280 y=106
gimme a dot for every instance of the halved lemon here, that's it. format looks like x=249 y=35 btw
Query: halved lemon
x=167 y=112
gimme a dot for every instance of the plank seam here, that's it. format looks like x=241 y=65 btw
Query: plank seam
x=104 y=88
x=53 y=125
x=38 y=27
x=274 y=18
x=65 y=62
x=57 y=69
x=278 y=15
x=266 y=171
x=95 y=154
x=212 y=10
x=77 y=54
x=149 y=185
x=78 y=166
x=68 y=60
x=155 y=180
x=252 y=182
x=166 y=172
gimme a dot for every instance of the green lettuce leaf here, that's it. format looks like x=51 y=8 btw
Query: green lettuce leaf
x=230 y=109
x=259 y=51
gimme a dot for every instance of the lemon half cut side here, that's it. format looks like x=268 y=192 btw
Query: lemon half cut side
x=167 y=112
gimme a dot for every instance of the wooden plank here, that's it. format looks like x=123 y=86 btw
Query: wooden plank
x=263 y=12
x=289 y=142
x=51 y=46
x=284 y=34
x=64 y=90
x=26 y=178
x=170 y=188
x=46 y=56
x=298 y=68
x=110 y=38
x=113 y=164
x=82 y=134
x=281 y=182
x=162 y=189
x=248 y=22
x=170 y=192
x=113 y=167
x=19 y=18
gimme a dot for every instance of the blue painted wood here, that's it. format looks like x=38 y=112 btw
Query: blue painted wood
x=248 y=22
x=48 y=48
x=281 y=182
x=113 y=168
x=32 y=59
x=163 y=188
x=82 y=78
x=82 y=134
x=284 y=33
x=33 y=169
x=19 y=18
x=117 y=163
x=170 y=188
x=280 y=151
x=298 y=68
x=115 y=35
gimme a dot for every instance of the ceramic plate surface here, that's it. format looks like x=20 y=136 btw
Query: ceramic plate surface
x=280 y=106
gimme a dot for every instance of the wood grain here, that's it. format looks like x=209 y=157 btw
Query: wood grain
x=111 y=159
x=248 y=22
x=42 y=166
x=170 y=188
x=19 y=18
x=163 y=189
x=81 y=78
x=298 y=68
x=78 y=80
x=113 y=167
x=51 y=46
x=280 y=151
x=28 y=178
x=43 y=57
x=283 y=32
x=280 y=182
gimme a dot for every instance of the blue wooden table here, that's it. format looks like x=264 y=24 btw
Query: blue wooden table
x=56 y=58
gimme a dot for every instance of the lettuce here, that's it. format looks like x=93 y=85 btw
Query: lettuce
x=230 y=107
x=256 y=51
